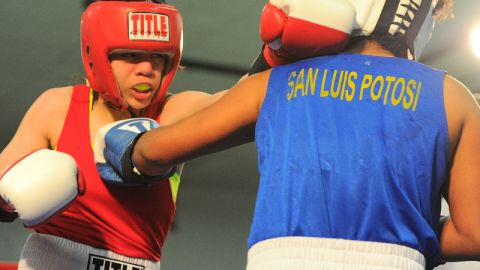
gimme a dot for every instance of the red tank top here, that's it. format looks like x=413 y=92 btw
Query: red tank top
x=131 y=221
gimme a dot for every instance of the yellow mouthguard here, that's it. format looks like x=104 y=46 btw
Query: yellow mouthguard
x=142 y=87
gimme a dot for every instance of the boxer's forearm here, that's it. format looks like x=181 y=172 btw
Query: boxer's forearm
x=226 y=123
x=158 y=150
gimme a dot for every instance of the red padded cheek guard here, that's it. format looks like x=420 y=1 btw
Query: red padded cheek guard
x=138 y=26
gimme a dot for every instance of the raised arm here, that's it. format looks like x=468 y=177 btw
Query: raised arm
x=226 y=123
x=460 y=238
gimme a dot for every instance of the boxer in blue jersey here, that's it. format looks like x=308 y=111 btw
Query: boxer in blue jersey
x=355 y=149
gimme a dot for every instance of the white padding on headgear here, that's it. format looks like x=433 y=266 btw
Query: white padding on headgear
x=411 y=18
x=367 y=15
x=335 y=14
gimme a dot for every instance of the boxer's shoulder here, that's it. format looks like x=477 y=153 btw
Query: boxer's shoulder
x=58 y=96
x=458 y=98
x=53 y=102
x=46 y=115
x=184 y=104
x=461 y=111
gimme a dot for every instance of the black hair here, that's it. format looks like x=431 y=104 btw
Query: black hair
x=396 y=43
x=86 y=3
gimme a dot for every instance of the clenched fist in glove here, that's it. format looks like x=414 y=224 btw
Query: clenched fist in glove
x=40 y=185
x=113 y=152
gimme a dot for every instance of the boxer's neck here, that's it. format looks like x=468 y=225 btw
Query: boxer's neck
x=369 y=47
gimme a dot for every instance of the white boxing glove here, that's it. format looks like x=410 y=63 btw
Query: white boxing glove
x=40 y=185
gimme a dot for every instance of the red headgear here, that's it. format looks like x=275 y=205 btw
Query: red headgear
x=136 y=26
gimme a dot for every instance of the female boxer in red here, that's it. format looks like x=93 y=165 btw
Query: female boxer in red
x=355 y=149
x=130 y=51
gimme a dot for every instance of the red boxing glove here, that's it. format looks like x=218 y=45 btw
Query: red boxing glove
x=297 y=29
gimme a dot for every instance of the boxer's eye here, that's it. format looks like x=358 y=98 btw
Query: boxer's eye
x=126 y=56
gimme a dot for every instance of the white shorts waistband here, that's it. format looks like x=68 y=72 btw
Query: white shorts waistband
x=49 y=252
x=311 y=253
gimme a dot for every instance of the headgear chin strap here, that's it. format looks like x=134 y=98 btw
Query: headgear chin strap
x=138 y=26
x=412 y=19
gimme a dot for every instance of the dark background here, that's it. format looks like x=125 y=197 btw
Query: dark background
x=40 y=49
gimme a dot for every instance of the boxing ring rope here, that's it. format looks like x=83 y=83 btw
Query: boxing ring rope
x=8 y=266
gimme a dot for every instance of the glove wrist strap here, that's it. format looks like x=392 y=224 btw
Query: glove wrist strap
x=132 y=175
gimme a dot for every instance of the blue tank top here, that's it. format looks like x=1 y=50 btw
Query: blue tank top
x=352 y=147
